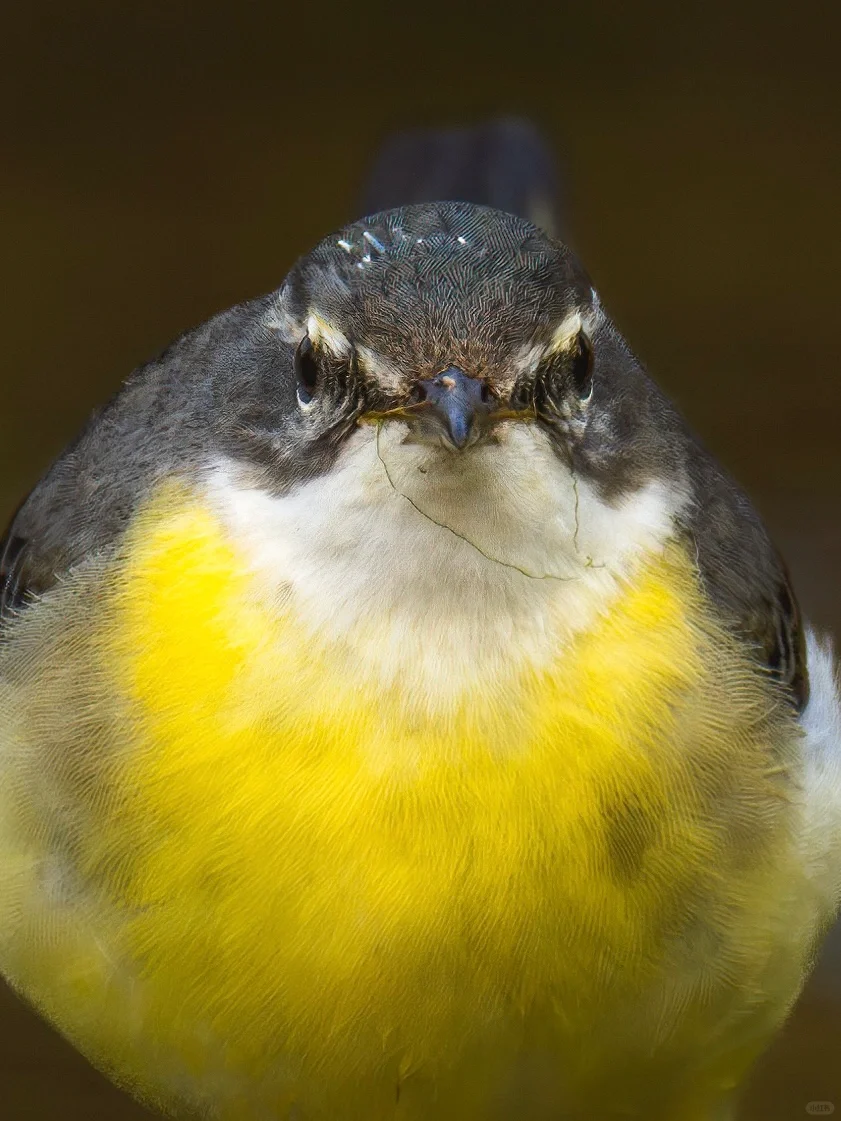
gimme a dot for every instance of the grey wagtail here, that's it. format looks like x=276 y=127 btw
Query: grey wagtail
x=402 y=716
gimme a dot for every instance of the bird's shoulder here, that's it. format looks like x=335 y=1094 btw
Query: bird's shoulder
x=163 y=421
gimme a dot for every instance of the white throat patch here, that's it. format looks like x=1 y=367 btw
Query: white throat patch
x=439 y=570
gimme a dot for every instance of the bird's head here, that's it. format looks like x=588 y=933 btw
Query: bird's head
x=449 y=320
x=455 y=410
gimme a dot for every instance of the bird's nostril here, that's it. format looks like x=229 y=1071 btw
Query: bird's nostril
x=485 y=393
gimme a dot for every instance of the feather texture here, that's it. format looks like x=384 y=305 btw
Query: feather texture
x=245 y=884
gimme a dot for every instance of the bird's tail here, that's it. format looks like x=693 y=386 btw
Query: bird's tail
x=504 y=163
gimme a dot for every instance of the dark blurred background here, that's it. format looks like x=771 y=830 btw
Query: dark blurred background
x=159 y=162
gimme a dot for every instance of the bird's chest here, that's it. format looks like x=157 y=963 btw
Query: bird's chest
x=373 y=883
x=330 y=886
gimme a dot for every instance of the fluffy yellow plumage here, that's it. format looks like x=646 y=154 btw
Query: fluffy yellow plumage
x=238 y=873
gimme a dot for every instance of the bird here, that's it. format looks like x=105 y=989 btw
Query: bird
x=402 y=714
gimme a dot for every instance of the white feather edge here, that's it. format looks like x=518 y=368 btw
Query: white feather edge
x=821 y=723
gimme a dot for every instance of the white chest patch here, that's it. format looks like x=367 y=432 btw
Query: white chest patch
x=439 y=570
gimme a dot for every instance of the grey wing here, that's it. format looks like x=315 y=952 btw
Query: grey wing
x=746 y=577
x=13 y=587
x=172 y=415
x=19 y=581
x=776 y=627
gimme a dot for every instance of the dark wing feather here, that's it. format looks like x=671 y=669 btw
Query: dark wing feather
x=14 y=591
x=745 y=576
x=780 y=637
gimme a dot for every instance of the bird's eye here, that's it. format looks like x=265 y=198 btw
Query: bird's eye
x=306 y=370
x=567 y=376
x=581 y=369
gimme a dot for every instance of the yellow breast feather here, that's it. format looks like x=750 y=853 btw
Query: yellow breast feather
x=237 y=873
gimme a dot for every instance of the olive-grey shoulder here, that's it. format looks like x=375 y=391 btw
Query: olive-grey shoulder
x=745 y=574
x=169 y=416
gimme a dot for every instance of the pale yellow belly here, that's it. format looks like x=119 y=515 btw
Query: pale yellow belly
x=234 y=876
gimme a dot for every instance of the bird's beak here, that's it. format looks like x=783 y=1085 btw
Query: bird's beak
x=457 y=401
